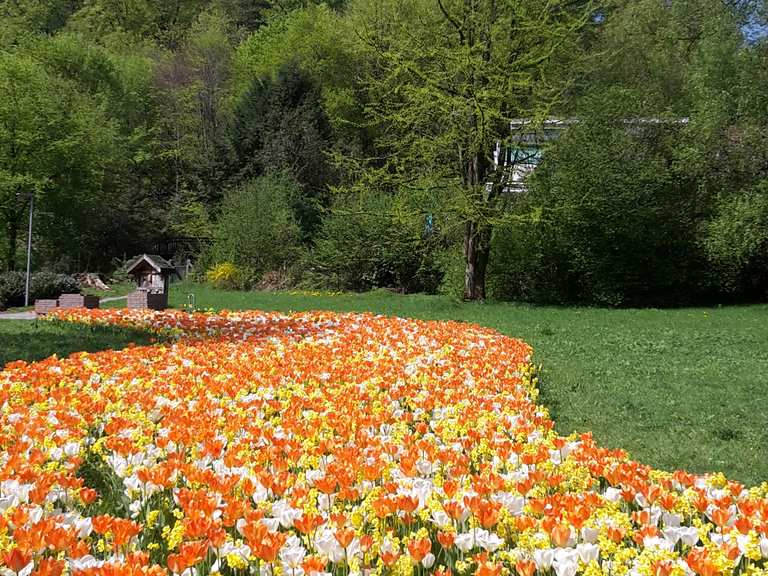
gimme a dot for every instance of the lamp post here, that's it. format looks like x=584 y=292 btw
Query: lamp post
x=31 y=197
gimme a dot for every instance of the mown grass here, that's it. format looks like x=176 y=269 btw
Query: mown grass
x=32 y=340
x=684 y=388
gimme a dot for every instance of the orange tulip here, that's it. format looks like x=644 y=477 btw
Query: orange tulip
x=446 y=539
x=661 y=568
x=16 y=559
x=344 y=537
x=418 y=549
x=49 y=567
x=720 y=516
x=488 y=569
x=560 y=535
x=308 y=523
x=313 y=564
x=389 y=557
x=525 y=567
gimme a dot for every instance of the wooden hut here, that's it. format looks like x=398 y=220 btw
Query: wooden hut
x=152 y=274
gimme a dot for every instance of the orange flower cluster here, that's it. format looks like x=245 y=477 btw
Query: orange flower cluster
x=333 y=444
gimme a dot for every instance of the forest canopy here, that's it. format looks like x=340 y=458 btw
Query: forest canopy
x=355 y=144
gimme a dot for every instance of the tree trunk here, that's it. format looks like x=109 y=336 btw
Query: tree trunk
x=477 y=249
x=477 y=236
x=13 y=235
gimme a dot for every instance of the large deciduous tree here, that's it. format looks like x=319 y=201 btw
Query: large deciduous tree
x=445 y=79
x=55 y=143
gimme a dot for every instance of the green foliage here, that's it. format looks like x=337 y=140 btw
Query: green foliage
x=56 y=143
x=613 y=227
x=23 y=18
x=443 y=83
x=736 y=241
x=280 y=125
x=256 y=229
x=377 y=240
x=165 y=21
x=318 y=41
x=41 y=285
x=12 y=285
x=52 y=285
x=653 y=49
x=101 y=477
x=130 y=121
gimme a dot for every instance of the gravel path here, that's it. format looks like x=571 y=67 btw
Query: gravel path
x=17 y=315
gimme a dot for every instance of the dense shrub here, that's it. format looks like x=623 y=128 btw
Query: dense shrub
x=41 y=285
x=256 y=230
x=736 y=241
x=605 y=221
x=228 y=276
x=377 y=240
x=51 y=285
x=12 y=286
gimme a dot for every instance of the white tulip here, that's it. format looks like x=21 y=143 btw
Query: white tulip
x=565 y=567
x=465 y=542
x=543 y=558
x=689 y=535
x=588 y=552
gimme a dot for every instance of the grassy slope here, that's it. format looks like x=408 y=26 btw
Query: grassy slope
x=677 y=388
x=37 y=339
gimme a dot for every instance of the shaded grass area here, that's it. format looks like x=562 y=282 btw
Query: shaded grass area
x=32 y=340
x=684 y=388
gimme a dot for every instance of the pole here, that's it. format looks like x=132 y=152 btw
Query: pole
x=29 y=247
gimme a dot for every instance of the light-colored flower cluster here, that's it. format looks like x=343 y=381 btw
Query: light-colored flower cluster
x=318 y=444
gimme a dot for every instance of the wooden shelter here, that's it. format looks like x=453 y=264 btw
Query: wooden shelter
x=152 y=274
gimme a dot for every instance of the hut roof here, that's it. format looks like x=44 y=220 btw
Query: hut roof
x=157 y=263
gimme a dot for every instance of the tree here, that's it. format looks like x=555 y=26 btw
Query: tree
x=253 y=14
x=55 y=143
x=615 y=226
x=20 y=18
x=445 y=77
x=280 y=125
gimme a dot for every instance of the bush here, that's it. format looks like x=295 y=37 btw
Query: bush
x=50 y=285
x=228 y=276
x=608 y=222
x=736 y=241
x=376 y=240
x=256 y=230
x=12 y=285
x=41 y=285
x=453 y=266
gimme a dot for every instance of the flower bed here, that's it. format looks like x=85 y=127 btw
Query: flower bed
x=321 y=443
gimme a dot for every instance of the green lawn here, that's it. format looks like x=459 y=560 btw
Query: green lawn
x=677 y=388
x=37 y=339
x=683 y=388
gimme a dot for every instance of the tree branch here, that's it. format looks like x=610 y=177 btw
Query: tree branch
x=452 y=20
